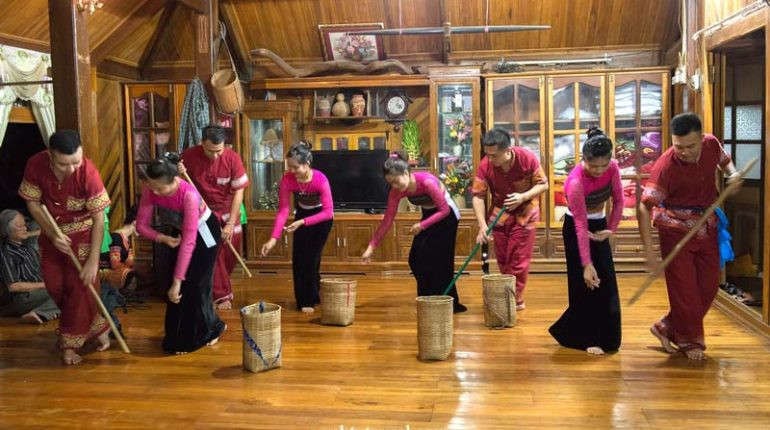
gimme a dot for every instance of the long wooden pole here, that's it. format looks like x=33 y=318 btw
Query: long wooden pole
x=98 y=299
x=702 y=220
x=229 y=244
x=473 y=252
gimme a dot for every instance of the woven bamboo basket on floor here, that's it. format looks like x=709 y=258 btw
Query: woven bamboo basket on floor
x=434 y=327
x=261 y=336
x=499 y=293
x=338 y=301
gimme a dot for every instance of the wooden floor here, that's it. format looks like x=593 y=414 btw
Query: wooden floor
x=367 y=375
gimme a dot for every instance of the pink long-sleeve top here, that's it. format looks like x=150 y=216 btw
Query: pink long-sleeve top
x=311 y=194
x=427 y=193
x=186 y=201
x=585 y=194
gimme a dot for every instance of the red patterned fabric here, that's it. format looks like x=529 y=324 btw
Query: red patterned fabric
x=71 y=202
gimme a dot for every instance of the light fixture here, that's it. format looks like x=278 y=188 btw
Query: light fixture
x=89 y=5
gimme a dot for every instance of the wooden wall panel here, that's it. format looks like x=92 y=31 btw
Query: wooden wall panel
x=717 y=10
x=178 y=41
x=111 y=144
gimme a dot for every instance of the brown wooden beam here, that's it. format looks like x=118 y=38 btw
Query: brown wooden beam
x=73 y=76
x=142 y=12
x=149 y=49
x=24 y=42
x=694 y=13
x=206 y=27
x=235 y=39
x=200 y=6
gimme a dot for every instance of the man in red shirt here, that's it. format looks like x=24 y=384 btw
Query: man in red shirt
x=220 y=177
x=680 y=189
x=515 y=179
x=68 y=184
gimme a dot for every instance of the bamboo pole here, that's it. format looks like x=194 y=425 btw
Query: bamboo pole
x=79 y=267
x=229 y=244
x=473 y=252
x=702 y=220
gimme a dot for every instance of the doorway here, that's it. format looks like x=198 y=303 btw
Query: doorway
x=739 y=111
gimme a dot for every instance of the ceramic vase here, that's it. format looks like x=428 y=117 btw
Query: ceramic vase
x=357 y=105
x=340 y=107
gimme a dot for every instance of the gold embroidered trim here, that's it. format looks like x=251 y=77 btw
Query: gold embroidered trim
x=30 y=191
x=74 y=204
x=77 y=226
x=98 y=202
x=83 y=251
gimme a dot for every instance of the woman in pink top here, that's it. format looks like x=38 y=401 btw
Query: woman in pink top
x=190 y=318
x=312 y=222
x=432 y=256
x=592 y=320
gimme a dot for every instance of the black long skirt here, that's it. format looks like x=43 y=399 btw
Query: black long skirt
x=593 y=316
x=309 y=241
x=192 y=323
x=432 y=256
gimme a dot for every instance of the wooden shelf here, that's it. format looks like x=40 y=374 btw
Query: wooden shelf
x=341 y=81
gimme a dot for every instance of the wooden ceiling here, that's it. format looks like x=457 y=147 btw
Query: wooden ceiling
x=154 y=38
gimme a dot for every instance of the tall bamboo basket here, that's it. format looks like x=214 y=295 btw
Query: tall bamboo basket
x=499 y=293
x=261 y=336
x=434 y=327
x=338 y=301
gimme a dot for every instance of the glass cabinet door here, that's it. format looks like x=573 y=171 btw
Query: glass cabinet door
x=150 y=121
x=638 y=130
x=269 y=129
x=455 y=141
x=455 y=131
x=576 y=104
x=517 y=105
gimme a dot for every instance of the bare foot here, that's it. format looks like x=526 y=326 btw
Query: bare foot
x=180 y=353
x=214 y=341
x=664 y=342
x=32 y=318
x=70 y=357
x=103 y=341
x=307 y=310
x=227 y=304
x=595 y=350
x=521 y=306
x=695 y=354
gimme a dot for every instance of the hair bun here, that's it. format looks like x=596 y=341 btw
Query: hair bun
x=594 y=131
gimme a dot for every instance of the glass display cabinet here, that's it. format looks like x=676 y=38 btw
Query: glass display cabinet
x=151 y=121
x=517 y=105
x=576 y=102
x=456 y=142
x=268 y=129
x=639 y=129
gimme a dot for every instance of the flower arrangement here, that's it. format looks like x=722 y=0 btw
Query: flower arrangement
x=457 y=178
x=356 y=47
x=459 y=128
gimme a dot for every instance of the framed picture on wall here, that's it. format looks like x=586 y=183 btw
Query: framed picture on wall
x=339 y=45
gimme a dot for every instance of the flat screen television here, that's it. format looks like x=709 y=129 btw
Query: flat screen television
x=355 y=177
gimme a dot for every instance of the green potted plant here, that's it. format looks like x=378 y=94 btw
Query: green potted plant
x=410 y=140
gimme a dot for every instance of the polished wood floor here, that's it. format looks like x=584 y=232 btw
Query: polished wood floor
x=367 y=375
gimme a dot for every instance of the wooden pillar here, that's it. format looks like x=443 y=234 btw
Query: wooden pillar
x=692 y=11
x=206 y=27
x=73 y=76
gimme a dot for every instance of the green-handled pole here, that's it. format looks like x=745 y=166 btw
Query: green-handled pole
x=473 y=252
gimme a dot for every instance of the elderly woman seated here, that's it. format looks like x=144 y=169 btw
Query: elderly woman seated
x=22 y=291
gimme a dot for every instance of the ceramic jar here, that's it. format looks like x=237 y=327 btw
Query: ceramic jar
x=324 y=106
x=357 y=105
x=340 y=107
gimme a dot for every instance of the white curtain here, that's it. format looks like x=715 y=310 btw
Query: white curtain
x=21 y=65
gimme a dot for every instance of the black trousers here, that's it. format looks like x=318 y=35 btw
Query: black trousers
x=192 y=322
x=593 y=316
x=306 y=252
x=432 y=256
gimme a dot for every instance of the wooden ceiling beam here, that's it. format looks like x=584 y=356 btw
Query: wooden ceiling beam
x=143 y=11
x=200 y=6
x=24 y=42
x=235 y=39
x=149 y=49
